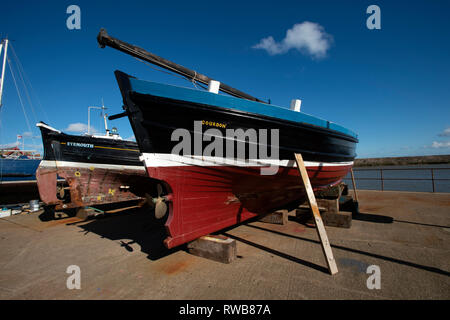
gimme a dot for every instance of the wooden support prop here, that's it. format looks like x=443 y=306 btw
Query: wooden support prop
x=332 y=267
x=354 y=185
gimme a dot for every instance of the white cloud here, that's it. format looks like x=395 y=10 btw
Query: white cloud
x=131 y=138
x=270 y=46
x=79 y=127
x=27 y=134
x=445 y=133
x=438 y=145
x=34 y=146
x=19 y=144
x=307 y=37
x=9 y=145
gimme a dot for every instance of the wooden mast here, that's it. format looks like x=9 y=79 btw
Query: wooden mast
x=106 y=40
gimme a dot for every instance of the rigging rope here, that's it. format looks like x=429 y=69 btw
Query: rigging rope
x=18 y=64
x=193 y=79
x=40 y=108
x=24 y=78
x=18 y=93
x=1 y=141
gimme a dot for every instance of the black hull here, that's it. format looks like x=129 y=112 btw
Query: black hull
x=155 y=118
x=93 y=171
x=86 y=149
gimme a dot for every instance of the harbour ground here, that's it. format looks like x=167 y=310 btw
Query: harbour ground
x=405 y=234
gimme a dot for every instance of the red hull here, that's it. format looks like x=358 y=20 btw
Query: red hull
x=208 y=199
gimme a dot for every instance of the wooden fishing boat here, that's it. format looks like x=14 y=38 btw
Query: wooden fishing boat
x=86 y=170
x=206 y=190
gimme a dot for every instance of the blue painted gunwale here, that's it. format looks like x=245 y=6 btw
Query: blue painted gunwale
x=223 y=101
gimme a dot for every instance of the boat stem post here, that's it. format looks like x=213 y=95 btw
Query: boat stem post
x=331 y=262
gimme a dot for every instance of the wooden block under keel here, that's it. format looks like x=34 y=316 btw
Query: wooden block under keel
x=277 y=217
x=215 y=247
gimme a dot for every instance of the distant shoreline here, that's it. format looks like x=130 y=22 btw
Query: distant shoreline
x=402 y=161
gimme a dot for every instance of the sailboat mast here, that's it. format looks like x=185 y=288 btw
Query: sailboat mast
x=5 y=44
x=104 y=118
x=106 y=40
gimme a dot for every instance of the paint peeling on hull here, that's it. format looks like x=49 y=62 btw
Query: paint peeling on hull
x=90 y=186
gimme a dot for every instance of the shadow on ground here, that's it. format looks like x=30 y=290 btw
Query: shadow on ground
x=135 y=226
x=368 y=217
x=362 y=252
x=139 y=226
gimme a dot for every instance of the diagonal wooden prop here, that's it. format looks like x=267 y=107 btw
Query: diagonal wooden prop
x=317 y=218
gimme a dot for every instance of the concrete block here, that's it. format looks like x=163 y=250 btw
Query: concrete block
x=214 y=247
x=277 y=217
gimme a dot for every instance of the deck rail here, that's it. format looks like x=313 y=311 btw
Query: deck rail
x=382 y=178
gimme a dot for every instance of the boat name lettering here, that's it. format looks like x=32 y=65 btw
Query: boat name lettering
x=255 y=142
x=214 y=124
x=79 y=144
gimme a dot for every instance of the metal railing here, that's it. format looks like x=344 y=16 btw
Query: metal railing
x=382 y=178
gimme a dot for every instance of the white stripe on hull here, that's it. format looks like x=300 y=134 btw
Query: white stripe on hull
x=70 y=164
x=172 y=160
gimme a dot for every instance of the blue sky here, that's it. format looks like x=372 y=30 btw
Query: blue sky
x=391 y=86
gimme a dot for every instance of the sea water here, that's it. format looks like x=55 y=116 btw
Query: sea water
x=393 y=178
